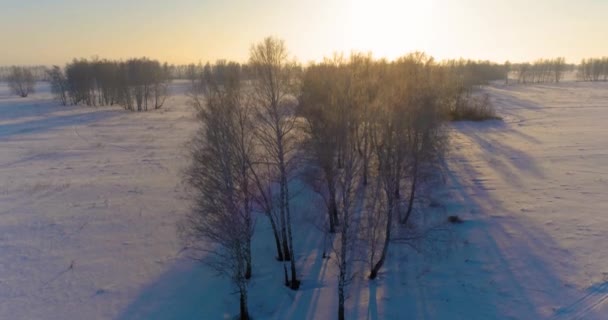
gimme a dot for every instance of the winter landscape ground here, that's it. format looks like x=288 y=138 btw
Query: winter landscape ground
x=90 y=197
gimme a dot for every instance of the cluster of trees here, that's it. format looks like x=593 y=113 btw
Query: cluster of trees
x=136 y=84
x=541 y=71
x=364 y=134
x=593 y=69
x=477 y=72
x=195 y=73
x=21 y=81
x=38 y=72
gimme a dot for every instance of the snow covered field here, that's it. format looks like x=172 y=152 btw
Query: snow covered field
x=89 y=199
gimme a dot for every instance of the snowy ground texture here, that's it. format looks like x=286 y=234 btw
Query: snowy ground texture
x=89 y=199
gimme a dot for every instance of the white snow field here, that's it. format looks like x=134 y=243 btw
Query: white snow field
x=89 y=200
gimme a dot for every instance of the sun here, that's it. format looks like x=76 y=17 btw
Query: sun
x=390 y=28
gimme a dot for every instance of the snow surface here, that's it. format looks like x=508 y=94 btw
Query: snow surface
x=89 y=200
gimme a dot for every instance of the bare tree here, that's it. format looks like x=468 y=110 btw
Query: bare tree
x=264 y=177
x=522 y=72
x=348 y=182
x=365 y=81
x=321 y=94
x=389 y=149
x=335 y=163
x=221 y=223
x=191 y=74
x=559 y=66
x=21 y=81
x=59 y=84
x=426 y=143
x=274 y=99
x=390 y=137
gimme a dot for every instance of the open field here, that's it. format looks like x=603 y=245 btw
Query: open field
x=89 y=199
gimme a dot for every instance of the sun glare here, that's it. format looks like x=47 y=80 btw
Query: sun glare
x=390 y=28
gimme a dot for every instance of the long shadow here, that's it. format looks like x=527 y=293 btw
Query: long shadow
x=504 y=266
x=187 y=291
x=54 y=122
x=509 y=162
x=510 y=107
x=314 y=270
x=501 y=267
x=14 y=109
x=504 y=99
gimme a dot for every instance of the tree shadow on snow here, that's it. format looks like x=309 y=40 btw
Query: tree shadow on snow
x=507 y=161
x=51 y=122
x=502 y=265
x=187 y=291
x=498 y=265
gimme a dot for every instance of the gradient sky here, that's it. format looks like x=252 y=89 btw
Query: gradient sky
x=183 y=31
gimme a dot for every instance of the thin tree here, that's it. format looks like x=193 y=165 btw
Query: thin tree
x=273 y=96
x=507 y=66
x=221 y=222
x=348 y=182
x=59 y=84
x=318 y=104
x=365 y=85
x=559 y=66
x=426 y=143
x=389 y=140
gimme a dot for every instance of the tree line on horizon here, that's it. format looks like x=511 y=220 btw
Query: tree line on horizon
x=593 y=69
x=137 y=84
x=539 y=71
x=22 y=79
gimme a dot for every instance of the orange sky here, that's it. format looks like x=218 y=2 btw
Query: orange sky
x=183 y=31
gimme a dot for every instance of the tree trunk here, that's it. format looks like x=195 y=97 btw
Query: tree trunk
x=286 y=253
x=295 y=283
x=286 y=277
x=248 y=262
x=365 y=169
x=341 y=315
x=277 y=241
x=410 y=203
x=397 y=202
x=283 y=198
x=343 y=262
x=244 y=311
x=387 y=238
x=332 y=211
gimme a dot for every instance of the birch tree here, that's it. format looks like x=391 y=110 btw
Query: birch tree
x=273 y=97
x=220 y=227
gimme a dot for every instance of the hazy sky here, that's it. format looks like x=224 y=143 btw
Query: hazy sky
x=182 y=31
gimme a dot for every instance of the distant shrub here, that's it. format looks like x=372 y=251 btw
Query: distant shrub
x=471 y=108
x=21 y=81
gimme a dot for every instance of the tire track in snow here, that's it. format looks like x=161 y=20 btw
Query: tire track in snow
x=585 y=304
x=591 y=307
